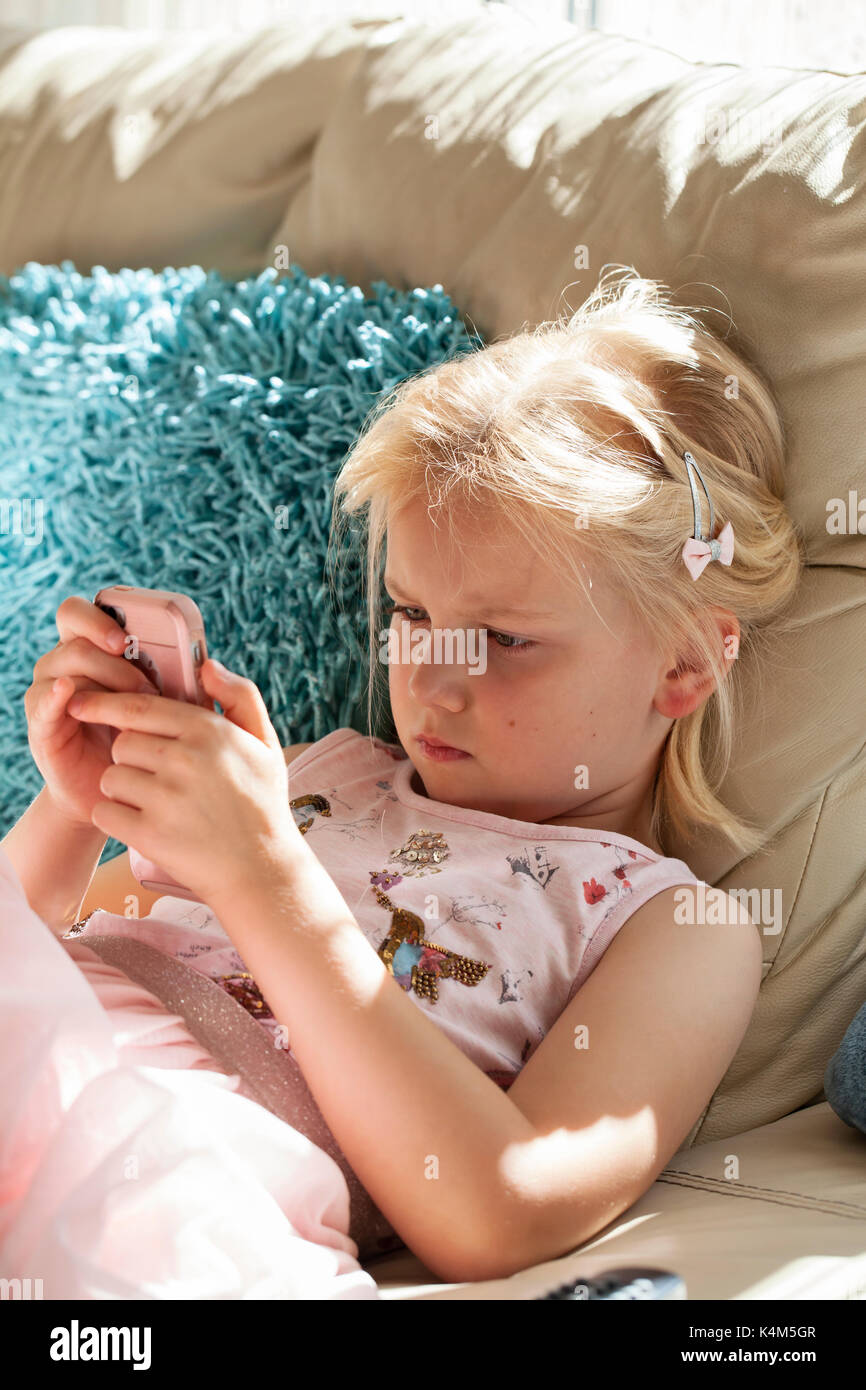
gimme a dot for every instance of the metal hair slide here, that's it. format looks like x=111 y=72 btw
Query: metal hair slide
x=697 y=552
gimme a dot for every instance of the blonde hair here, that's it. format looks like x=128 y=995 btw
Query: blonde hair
x=573 y=432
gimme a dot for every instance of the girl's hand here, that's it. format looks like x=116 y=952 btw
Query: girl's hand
x=205 y=796
x=71 y=756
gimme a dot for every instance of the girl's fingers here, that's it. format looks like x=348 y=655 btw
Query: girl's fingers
x=48 y=713
x=57 y=696
x=61 y=692
x=54 y=699
x=51 y=708
x=241 y=700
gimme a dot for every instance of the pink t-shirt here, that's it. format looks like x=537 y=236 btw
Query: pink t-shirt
x=503 y=920
x=507 y=918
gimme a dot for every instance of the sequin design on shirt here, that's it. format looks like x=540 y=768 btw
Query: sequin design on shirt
x=242 y=987
x=422 y=853
x=413 y=961
x=306 y=808
x=236 y=981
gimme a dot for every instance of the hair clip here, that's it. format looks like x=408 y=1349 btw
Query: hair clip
x=697 y=552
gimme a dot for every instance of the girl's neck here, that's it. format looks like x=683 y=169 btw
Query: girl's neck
x=640 y=832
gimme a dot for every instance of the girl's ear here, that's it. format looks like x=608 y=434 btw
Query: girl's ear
x=685 y=686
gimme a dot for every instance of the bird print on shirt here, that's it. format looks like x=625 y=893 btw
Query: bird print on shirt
x=534 y=863
x=414 y=962
x=477 y=911
x=511 y=982
x=418 y=964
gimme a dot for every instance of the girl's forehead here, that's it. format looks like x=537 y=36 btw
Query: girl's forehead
x=482 y=540
x=479 y=563
x=472 y=550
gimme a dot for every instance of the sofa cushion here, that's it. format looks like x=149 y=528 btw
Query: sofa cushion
x=181 y=431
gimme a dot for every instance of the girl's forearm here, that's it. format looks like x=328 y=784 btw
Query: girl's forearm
x=54 y=859
x=421 y=1125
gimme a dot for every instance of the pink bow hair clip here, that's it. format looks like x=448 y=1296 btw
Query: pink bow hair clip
x=697 y=553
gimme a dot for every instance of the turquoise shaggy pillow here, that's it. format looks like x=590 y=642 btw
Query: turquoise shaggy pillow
x=177 y=430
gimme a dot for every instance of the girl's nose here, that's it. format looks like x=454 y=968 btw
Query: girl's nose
x=439 y=676
x=438 y=684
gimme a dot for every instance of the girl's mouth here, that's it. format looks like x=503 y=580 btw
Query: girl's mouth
x=440 y=753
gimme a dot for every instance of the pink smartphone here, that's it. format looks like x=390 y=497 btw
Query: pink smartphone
x=165 y=640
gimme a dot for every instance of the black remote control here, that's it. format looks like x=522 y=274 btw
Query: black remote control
x=628 y=1282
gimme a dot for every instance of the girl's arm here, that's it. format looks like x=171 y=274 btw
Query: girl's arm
x=420 y=1124
x=54 y=859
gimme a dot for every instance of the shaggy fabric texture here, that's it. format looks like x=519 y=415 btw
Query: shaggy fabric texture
x=177 y=430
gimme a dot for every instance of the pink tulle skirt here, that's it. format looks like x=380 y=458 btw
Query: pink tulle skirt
x=132 y=1166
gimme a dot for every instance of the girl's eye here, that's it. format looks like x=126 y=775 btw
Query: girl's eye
x=520 y=644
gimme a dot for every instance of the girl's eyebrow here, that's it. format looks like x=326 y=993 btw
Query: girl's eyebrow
x=479 y=602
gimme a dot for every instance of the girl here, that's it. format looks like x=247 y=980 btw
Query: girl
x=449 y=988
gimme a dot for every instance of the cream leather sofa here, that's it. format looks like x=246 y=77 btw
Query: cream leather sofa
x=509 y=161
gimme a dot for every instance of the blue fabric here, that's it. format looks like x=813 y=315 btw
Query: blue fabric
x=845 y=1076
x=162 y=420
